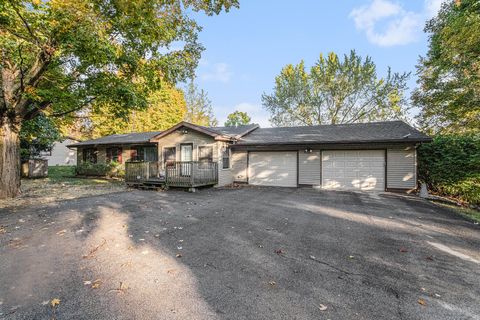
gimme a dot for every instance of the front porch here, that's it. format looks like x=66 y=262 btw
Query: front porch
x=183 y=174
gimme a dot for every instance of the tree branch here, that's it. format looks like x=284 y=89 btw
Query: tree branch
x=59 y=114
x=30 y=31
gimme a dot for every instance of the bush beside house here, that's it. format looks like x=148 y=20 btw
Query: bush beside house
x=450 y=166
x=110 y=170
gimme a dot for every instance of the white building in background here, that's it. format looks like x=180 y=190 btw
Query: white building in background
x=61 y=155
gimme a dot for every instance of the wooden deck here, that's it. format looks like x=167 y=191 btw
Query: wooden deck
x=190 y=174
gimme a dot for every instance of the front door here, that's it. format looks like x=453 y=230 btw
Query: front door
x=186 y=157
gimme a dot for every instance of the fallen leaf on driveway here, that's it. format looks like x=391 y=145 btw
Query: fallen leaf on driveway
x=322 y=307
x=422 y=302
x=279 y=251
x=179 y=255
x=429 y=258
x=272 y=283
x=61 y=232
x=402 y=249
x=96 y=284
x=55 y=302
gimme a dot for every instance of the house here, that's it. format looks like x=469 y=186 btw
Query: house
x=61 y=155
x=363 y=156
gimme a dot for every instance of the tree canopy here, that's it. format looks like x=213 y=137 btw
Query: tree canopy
x=59 y=56
x=448 y=93
x=166 y=107
x=199 y=107
x=335 y=91
x=237 y=118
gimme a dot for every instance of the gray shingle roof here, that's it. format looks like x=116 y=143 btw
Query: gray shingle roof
x=233 y=131
x=126 y=138
x=389 y=131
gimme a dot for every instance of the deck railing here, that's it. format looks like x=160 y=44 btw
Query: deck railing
x=186 y=174
x=191 y=173
x=140 y=171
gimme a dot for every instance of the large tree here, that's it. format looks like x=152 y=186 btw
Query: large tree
x=59 y=56
x=335 y=91
x=166 y=107
x=448 y=94
x=237 y=118
x=199 y=107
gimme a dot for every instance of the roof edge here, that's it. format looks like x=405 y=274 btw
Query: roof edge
x=188 y=125
x=254 y=127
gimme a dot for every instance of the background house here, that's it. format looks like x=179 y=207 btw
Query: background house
x=61 y=155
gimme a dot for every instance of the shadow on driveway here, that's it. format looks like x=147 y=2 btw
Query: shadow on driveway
x=250 y=253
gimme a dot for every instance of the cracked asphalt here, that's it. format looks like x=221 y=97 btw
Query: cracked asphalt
x=248 y=253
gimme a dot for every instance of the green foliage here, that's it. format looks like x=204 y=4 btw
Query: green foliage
x=199 y=107
x=166 y=107
x=335 y=91
x=60 y=56
x=450 y=165
x=112 y=169
x=237 y=118
x=37 y=135
x=448 y=94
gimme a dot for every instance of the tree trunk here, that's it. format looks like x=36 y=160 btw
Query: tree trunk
x=9 y=159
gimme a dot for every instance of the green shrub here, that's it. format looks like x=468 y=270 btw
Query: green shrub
x=112 y=169
x=450 y=166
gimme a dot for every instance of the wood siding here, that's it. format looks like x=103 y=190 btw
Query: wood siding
x=309 y=165
x=198 y=139
x=401 y=168
x=239 y=166
x=176 y=138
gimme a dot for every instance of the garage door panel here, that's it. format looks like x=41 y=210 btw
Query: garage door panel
x=273 y=169
x=353 y=169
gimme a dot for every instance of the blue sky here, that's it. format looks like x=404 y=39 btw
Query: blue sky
x=247 y=48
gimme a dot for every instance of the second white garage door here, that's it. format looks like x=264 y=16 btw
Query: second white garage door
x=273 y=169
x=353 y=169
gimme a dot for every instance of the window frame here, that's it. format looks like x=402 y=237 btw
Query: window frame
x=226 y=151
x=89 y=154
x=109 y=155
x=174 y=154
x=204 y=160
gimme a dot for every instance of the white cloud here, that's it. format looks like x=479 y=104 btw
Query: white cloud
x=401 y=26
x=432 y=7
x=256 y=112
x=219 y=72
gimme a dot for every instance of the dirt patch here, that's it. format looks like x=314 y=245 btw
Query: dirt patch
x=41 y=191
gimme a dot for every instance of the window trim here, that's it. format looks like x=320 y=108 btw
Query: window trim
x=108 y=157
x=203 y=164
x=229 y=150
x=165 y=152
x=94 y=152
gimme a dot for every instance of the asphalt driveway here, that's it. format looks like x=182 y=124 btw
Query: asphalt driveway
x=248 y=253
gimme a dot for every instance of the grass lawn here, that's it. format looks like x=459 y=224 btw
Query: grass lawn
x=466 y=212
x=66 y=175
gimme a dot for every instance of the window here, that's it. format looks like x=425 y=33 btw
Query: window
x=144 y=153
x=90 y=155
x=226 y=158
x=205 y=156
x=114 y=154
x=169 y=156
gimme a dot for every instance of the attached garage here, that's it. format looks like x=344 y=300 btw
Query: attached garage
x=274 y=168
x=353 y=169
x=379 y=156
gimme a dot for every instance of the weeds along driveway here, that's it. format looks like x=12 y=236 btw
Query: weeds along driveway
x=250 y=253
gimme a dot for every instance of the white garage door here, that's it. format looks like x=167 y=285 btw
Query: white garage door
x=273 y=169
x=353 y=169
